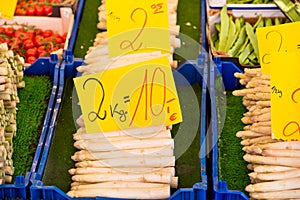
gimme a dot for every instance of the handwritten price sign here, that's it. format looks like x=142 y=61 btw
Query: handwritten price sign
x=280 y=38
x=137 y=95
x=137 y=26
x=7 y=8
x=285 y=95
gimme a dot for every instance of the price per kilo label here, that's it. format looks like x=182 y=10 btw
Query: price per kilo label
x=137 y=26
x=137 y=95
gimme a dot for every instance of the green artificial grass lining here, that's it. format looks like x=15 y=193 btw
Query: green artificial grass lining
x=232 y=167
x=30 y=116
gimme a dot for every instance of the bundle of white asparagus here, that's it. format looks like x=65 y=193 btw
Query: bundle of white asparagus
x=95 y=63
x=136 y=163
x=100 y=46
x=275 y=163
x=11 y=77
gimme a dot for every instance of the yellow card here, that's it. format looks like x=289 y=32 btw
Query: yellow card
x=137 y=26
x=285 y=95
x=7 y=8
x=138 y=95
x=279 y=38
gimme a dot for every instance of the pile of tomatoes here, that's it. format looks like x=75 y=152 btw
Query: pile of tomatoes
x=36 y=7
x=31 y=42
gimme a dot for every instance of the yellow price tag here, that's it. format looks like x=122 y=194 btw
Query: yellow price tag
x=279 y=38
x=7 y=8
x=138 y=95
x=285 y=95
x=137 y=26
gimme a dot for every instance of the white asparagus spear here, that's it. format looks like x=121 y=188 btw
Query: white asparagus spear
x=118 y=145
x=281 y=145
x=249 y=134
x=139 y=161
x=116 y=184
x=95 y=170
x=265 y=123
x=174 y=182
x=271 y=168
x=131 y=193
x=281 y=161
x=161 y=135
x=278 y=194
x=280 y=185
x=123 y=135
x=82 y=135
x=251 y=141
x=157 y=151
x=275 y=175
x=267 y=130
x=281 y=153
x=154 y=177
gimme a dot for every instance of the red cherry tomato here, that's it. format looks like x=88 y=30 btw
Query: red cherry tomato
x=64 y=36
x=30 y=34
x=31 y=52
x=48 y=9
x=9 y=31
x=44 y=54
x=15 y=44
x=2 y=29
x=21 y=34
x=58 y=39
x=39 y=10
x=47 y=33
x=39 y=40
x=30 y=59
x=41 y=49
x=30 y=10
x=38 y=31
x=20 y=11
x=28 y=44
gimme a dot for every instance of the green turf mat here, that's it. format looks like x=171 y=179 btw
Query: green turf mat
x=87 y=28
x=61 y=149
x=188 y=163
x=232 y=167
x=188 y=17
x=31 y=111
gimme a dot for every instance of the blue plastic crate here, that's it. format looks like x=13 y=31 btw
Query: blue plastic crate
x=227 y=70
x=19 y=189
x=220 y=190
x=192 y=73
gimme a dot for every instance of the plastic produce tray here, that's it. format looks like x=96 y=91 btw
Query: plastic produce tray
x=192 y=73
x=267 y=10
x=66 y=22
x=220 y=190
x=19 y=189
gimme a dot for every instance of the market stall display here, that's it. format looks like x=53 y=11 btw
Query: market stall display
x=273 y=162
x=11 y=79
x=31 y=42
x=43 y=7
x=34 y=37
x=233 y=37
x=63 y=135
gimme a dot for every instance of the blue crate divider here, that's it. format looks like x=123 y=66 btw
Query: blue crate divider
x=191 y=71
x=220 y=189
x=77 y=18
x=227 y=69
x=19 y=189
